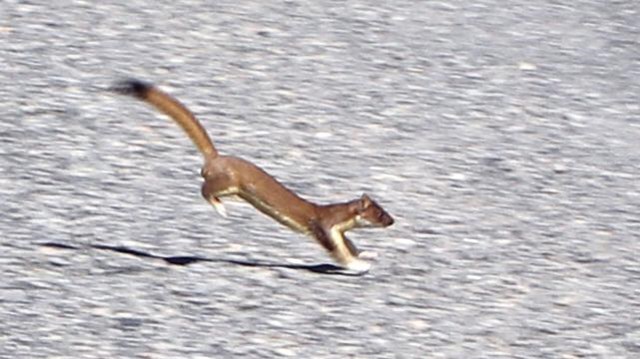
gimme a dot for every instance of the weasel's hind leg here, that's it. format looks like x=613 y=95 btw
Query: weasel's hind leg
x=216 y=187
x=218 y=206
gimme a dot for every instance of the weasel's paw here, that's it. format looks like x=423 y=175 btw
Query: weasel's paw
x=368 y=255
x=358 y=266
x=219 y=206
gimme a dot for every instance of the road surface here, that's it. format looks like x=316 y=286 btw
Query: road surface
x=503 y=138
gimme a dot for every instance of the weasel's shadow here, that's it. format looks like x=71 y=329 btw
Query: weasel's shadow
x=186 y=260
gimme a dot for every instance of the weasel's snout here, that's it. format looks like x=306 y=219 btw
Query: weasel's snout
x=387 y=220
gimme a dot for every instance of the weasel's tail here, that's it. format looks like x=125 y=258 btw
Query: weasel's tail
x=173 y=108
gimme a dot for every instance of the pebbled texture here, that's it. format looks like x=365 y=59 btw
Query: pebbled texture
x=502 y=138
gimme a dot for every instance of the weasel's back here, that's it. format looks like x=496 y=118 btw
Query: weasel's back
x=268 y=195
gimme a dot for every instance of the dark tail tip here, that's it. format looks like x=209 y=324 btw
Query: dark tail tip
x=132 y=87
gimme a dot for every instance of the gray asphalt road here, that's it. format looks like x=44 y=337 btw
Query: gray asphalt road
x=503 y=137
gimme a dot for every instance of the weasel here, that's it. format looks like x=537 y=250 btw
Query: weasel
x=233 y=176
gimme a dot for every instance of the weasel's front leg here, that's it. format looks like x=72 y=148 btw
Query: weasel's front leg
x=356 y=252
x=340 y=248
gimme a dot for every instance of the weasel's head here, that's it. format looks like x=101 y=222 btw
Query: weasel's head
x=370 y=214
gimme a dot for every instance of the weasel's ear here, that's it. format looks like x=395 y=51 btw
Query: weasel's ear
x=365 y=201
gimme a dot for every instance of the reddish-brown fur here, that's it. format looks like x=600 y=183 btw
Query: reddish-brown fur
x=233 y=176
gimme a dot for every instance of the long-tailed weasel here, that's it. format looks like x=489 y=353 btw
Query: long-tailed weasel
x=233 y=176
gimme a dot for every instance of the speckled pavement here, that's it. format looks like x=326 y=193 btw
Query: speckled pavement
x=502 y=136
